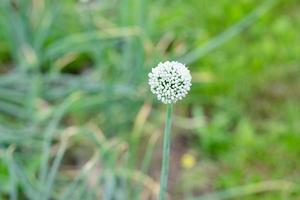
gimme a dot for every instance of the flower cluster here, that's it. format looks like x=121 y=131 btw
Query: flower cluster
x=170 y=81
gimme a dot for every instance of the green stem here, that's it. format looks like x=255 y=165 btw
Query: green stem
x=166 y=154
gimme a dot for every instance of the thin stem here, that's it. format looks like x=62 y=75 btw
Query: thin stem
x=166 y=154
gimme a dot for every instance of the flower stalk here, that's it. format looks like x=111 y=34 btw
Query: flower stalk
x=170 y=81
x=166 y=154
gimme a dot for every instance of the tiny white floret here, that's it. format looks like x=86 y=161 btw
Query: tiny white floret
x=170 y=81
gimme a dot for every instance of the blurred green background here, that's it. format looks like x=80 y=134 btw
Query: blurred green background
x=77 y=119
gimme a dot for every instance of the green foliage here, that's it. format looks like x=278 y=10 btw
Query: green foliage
x=77 y=120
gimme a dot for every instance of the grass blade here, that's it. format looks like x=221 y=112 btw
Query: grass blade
x=56 y=162
x=242 y=191
x=83 y=173
x=228 y=34
x=79 y=41
x=49 y=133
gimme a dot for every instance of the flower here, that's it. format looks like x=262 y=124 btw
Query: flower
x=188 y=161
x=170 y=81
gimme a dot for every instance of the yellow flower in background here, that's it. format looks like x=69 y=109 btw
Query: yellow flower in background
x=188 y=161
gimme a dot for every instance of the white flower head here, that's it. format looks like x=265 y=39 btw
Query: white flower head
x=170 y=81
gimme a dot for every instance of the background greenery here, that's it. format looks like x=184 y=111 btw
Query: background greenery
x=77 y=120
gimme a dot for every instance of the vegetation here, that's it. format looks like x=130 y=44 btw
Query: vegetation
x=78 y=121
